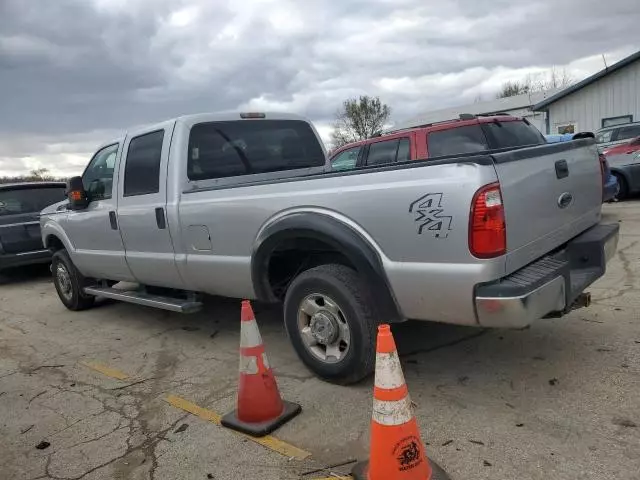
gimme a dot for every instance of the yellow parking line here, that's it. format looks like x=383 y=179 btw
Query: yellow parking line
x=103 y=369
x=268 y=441
x=337 y=477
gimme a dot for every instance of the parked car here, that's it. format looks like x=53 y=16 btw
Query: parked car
x=246 y=206
x=610 y=186
x=626 y=148
x=20 y=206
x=611 y=136
x=466 y=135
x=625 y=167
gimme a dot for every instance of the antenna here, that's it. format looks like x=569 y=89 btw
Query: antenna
x=605 y=62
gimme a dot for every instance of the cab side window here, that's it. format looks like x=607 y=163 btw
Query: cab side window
x=98 y=176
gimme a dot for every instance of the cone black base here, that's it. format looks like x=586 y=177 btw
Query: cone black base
x=230 y=420
x=359 y=471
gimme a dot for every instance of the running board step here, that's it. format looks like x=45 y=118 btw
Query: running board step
x=142 y=298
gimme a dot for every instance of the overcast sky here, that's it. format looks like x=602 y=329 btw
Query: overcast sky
x=74 y=73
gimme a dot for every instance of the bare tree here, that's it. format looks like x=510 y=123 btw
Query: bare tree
x=557 y=78
x=36 y=175
x=512 y=88
x=40 y=174
x=359 y=119
x=550 y=80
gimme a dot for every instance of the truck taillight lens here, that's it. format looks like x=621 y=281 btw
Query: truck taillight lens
x=487 y=227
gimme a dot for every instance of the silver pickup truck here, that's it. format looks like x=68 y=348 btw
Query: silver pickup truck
x=246 y=206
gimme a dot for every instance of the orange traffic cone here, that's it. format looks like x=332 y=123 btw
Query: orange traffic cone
x=396 y=450
x=260 y=410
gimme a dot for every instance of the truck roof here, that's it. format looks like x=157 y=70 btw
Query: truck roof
x=210 y=117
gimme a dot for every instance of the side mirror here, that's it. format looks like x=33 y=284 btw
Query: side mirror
x=78 y=198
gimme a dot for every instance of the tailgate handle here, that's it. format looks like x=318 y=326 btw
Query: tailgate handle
x=562 y=169
x=160 y=220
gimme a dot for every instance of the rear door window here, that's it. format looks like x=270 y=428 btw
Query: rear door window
x=388 y=151
x=626 y=133
x=142 y=167
x=236 y=148
x=382 y=152
x=468 y=139
x=29 y=200
x=404 y=150
x=512 y=134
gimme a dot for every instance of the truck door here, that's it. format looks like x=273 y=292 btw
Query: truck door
x=93 y=232
x=142 y=207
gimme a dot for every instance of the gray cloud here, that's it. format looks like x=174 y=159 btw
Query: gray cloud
x=72 y=71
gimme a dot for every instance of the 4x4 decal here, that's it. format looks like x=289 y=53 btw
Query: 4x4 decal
x=429 y=215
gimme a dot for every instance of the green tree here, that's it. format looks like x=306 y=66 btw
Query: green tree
x=359 y=119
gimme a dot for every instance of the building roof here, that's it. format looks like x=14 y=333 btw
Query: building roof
x=588 y=81
x=516 y=102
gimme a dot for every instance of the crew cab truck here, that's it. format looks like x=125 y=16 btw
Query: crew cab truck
x=246 y=206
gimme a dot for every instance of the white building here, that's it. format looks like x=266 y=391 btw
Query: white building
x=518 y=105
x=610 y=97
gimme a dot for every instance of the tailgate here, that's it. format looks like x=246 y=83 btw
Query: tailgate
x=20 y=233
x=551 y=193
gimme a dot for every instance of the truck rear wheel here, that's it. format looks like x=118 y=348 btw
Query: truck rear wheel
x=69 y=282
x=329 y=319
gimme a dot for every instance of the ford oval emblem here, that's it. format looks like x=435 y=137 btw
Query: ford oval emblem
x=565 y=200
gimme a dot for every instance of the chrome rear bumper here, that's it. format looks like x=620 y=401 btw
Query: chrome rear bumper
x=549 y=286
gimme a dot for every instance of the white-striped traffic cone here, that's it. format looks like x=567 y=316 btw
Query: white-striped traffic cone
x=396 y=450
x=260 y=409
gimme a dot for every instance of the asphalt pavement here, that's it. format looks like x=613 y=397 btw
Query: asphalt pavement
x=128 y=392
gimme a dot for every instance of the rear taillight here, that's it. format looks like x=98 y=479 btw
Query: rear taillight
x=487 y=227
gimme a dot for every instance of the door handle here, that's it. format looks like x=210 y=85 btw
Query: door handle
x=160 y=220
x=113 y=220
x=562 y=169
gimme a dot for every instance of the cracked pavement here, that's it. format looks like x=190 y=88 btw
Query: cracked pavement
x=560 y=399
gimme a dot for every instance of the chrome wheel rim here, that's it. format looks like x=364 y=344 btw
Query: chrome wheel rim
x=64 y=282
x=323 y=328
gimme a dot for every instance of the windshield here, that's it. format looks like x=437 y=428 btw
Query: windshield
x=29 y=200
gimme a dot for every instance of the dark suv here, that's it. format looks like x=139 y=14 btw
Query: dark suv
x=20 y=206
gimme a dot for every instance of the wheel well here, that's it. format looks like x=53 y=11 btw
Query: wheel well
x=618 y=173
x=295 y=255
x=54 y=244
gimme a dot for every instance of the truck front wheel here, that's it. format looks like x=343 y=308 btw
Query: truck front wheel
x=69 y=282
x=330 y=321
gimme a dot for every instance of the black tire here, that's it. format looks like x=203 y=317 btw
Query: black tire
x=348 y=290
x=70 y=295
x=623 y=187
